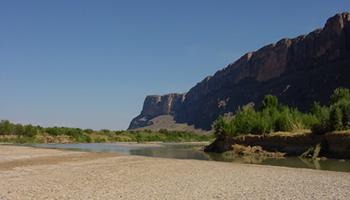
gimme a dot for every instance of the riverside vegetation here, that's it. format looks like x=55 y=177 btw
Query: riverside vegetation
x=18 y=133
x=269 y=119
x=273 y=117
x=321 y=125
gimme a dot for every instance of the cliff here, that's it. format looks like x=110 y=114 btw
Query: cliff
x=156 y=105
x=298 y=71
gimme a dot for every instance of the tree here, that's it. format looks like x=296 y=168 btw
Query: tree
x=5 y=127
x=19 y=129
x=315 y=108
x=340 y=94
x=270 y=101
x=29 y=131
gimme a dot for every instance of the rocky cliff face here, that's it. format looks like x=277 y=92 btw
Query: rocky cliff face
x=299 y=71
x=156 y=105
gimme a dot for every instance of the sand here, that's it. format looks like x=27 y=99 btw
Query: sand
x=37 y=173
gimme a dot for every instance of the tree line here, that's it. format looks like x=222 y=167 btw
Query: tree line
x=18 y=133
x=275 y=117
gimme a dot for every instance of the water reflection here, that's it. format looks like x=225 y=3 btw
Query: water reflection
x=328 y=164
x=183 y=151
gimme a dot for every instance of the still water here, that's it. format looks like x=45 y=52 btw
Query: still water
x=184 y=151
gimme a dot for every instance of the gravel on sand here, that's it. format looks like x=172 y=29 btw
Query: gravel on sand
x=37 y=173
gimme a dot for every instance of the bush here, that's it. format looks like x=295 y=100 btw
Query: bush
x=88 y=131
x=29 y=131
x=19 y=129
x=99 y=140
x=6 y=128
x=270 y=101
x=73 y=132
x=340 y=94
x=119 y=132
x=105 y=131
x=339 y=116
x=283 y=123
x=163 y=131
x=222 y=128
x=259 y=127
x=53 y=131
x=271 y=117
x=335 y=118
x=86 y=138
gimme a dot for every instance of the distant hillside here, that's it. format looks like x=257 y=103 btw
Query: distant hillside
x=298 y=71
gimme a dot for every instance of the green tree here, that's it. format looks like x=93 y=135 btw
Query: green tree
x=53 y=131
x=270 y=101
x=4 y=127
x=339 y=116
x=19 y=130
x=221 y=127
x=315 y=108
x=88 y=131
x=340 y=94
x=29 y=131
x=105 y=131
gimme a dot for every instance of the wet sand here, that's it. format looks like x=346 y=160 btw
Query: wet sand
x=37 y=173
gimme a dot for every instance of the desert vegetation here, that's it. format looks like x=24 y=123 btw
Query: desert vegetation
x=273 y=117
x=18 y=133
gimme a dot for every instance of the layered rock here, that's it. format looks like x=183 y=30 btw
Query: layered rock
x=271 y=61
x=299 y=71
x=156 y=105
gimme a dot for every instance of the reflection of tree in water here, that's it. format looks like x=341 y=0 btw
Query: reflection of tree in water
x=329 y=164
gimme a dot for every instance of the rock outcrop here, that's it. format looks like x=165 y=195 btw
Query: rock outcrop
x=156 y=105
x=298 y=71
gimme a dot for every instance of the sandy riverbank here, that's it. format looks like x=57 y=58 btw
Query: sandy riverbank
x=34 y=173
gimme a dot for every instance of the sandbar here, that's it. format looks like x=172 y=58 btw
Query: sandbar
x=38 y=173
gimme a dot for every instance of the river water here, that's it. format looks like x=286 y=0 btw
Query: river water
x=184 y=151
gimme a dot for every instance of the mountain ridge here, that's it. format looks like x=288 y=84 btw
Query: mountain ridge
x=294 y=69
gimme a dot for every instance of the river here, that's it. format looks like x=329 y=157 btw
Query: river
x=184 y=151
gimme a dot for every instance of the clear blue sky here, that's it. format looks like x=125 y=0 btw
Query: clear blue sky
x=90 y=64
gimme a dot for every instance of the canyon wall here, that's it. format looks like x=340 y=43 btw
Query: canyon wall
x=298 y=71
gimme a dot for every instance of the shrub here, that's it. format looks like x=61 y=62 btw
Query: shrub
x=105 y=131
x=270 y=118
x=283 y=122
x=99 y=140
x=19 y=129
x=86 y=138
x=73 y=132
x=53 y=131
x=315 y=108
x=138 y=137
x=88 y=131
x=163 y=131
x=322 y=125
x=29 y=131
x=6 y=128
x=119 y=132
x=270 y=101
x=339 y=116
x=340 y=94
x=220 y=127
x=241 y=122
x=260 y=126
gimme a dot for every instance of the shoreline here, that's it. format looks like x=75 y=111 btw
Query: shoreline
x=35 y=173
x=331 y=145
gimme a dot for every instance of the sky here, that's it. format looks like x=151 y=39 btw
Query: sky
x=90 y=64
